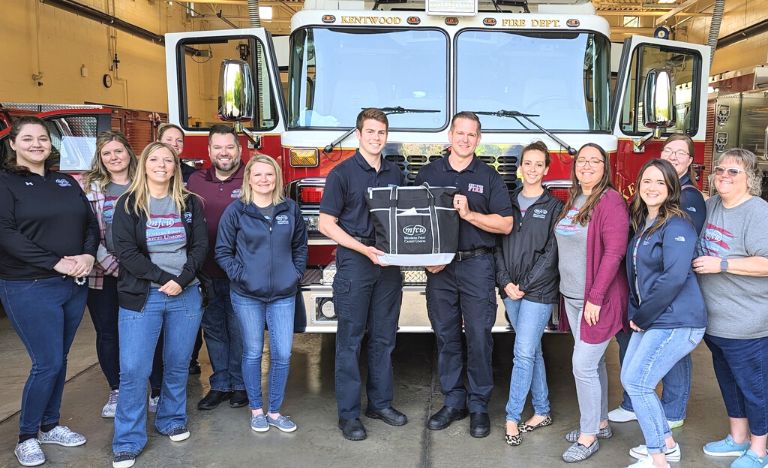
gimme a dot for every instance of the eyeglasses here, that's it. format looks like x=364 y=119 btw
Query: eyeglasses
x=677 y=154
x=588 y=162
x=732 y=171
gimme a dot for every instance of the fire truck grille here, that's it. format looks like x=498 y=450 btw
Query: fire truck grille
x=412 y=163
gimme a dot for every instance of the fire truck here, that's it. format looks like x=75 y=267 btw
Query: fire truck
x=530 y=71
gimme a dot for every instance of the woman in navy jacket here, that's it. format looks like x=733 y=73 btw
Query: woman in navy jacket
x=666 y=308
x=262 y=246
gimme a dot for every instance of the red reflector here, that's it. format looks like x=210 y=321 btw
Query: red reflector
x=561 y=193
x=311 y=194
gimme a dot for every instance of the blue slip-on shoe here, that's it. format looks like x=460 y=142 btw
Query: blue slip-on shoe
x=726 y=448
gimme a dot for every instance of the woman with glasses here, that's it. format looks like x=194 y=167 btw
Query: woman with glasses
x=526 y=272
x=262 y=246
x=733 y=274
x=161 y=241
x=593 y=229
x=112 y=169
x=666 y=310
x=678 y=150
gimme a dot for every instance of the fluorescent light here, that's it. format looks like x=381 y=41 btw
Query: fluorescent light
x=265 y=12
x=667 y=1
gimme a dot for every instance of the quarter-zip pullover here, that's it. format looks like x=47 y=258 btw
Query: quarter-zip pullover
x=42 y=219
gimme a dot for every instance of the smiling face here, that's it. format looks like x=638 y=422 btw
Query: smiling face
x=372 y=137
x=160 y=166
x=729 y=186
x=590 y=167
x=115 y=158
x=224 y=152
x=174 y=138
x=32 y=146
x=653 y=188
x=262 y=179
x=464 y=136
x=534 y=167
x=676 y=152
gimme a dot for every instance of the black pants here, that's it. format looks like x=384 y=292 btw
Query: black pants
x=364 y=295
x=103 y=307
x=464 y=290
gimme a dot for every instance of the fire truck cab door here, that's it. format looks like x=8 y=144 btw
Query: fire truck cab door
x=193 y=60
x=688 y=65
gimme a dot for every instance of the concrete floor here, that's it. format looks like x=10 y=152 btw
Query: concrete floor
x=222 y=438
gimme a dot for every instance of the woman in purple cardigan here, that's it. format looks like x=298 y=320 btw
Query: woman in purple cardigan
x=593 y=229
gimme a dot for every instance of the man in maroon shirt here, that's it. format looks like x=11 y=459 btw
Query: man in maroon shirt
x=219 y=185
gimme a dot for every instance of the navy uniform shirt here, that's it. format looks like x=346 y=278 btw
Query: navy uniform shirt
x=346 y=188
x=485 y=192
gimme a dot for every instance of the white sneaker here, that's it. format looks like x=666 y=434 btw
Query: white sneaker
x=620 y=415
x=109 y=409
x=646 y=462
x=153 y=402
x=61 y=435
x=640 y=452
x=29 y=453
x=675 y=424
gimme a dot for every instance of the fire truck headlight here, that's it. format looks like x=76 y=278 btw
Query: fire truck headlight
x=304 y=157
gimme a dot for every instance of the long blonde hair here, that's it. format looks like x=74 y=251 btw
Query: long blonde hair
x=98 y=173
x=247 y=192
x=140 y=188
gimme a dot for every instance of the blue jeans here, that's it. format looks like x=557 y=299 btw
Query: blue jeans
x=741 y=368
x=252 y=314
x=223 y=339
x=179 y=319
x=529 y=320
x=650 y=355
x=676 y=384
x=45 y=314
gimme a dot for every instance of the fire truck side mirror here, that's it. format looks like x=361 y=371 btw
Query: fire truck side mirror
x=659 y=100
x=236 y=92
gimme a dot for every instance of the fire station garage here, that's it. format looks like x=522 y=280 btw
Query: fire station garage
x=121 y=345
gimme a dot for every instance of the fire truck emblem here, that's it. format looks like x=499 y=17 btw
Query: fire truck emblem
x=723 y=113
x=721 y=142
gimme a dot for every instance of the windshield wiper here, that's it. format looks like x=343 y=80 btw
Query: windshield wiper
x=527 y=117
x=387 y=111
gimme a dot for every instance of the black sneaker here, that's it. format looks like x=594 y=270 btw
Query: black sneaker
x=179 y=434
x=123 y=460
x=194 y=368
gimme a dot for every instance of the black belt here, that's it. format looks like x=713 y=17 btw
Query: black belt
x=364 y=240
x=467 y=254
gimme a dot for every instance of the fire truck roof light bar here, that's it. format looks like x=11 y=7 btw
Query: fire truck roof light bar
x=527 y=117
x=388 y=111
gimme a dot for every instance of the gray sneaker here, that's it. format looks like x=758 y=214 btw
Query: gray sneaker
x=61 y=435
x=604 y=433
x=29 y=453
x=578 y=452
x=259 y=423
x=283 y=423
x=153 y=402
x=110 y=408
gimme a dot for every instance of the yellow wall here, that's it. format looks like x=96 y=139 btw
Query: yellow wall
x=41 y=38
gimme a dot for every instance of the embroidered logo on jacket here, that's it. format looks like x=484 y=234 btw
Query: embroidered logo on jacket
x=540 y=213
x=281 y=219
x=63 y=183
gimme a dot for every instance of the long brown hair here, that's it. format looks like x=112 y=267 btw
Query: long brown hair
x=98 y=172
x=585 y=212
x=140 y=189
x=638 y=210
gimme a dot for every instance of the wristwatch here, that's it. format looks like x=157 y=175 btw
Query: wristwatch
x=723 y=265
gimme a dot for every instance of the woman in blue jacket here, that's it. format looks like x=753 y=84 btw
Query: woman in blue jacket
x=666 y=308
x=262 y=246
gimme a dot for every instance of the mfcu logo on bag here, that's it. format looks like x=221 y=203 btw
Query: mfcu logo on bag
x=414 y=230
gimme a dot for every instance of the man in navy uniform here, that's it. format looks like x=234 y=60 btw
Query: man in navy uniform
x=365 y=293
x=465 y=288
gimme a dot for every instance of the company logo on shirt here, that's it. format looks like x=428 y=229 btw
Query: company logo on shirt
x=715 y=241
x=165 y=229
x=235 y=193
x=540 y=213
x=477 y=188
x=63 y=183
x=109 y=208
x=281 y=219
x=566 y=226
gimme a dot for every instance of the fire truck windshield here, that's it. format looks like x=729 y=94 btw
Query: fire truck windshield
x=336 y=72
x=562 y=77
